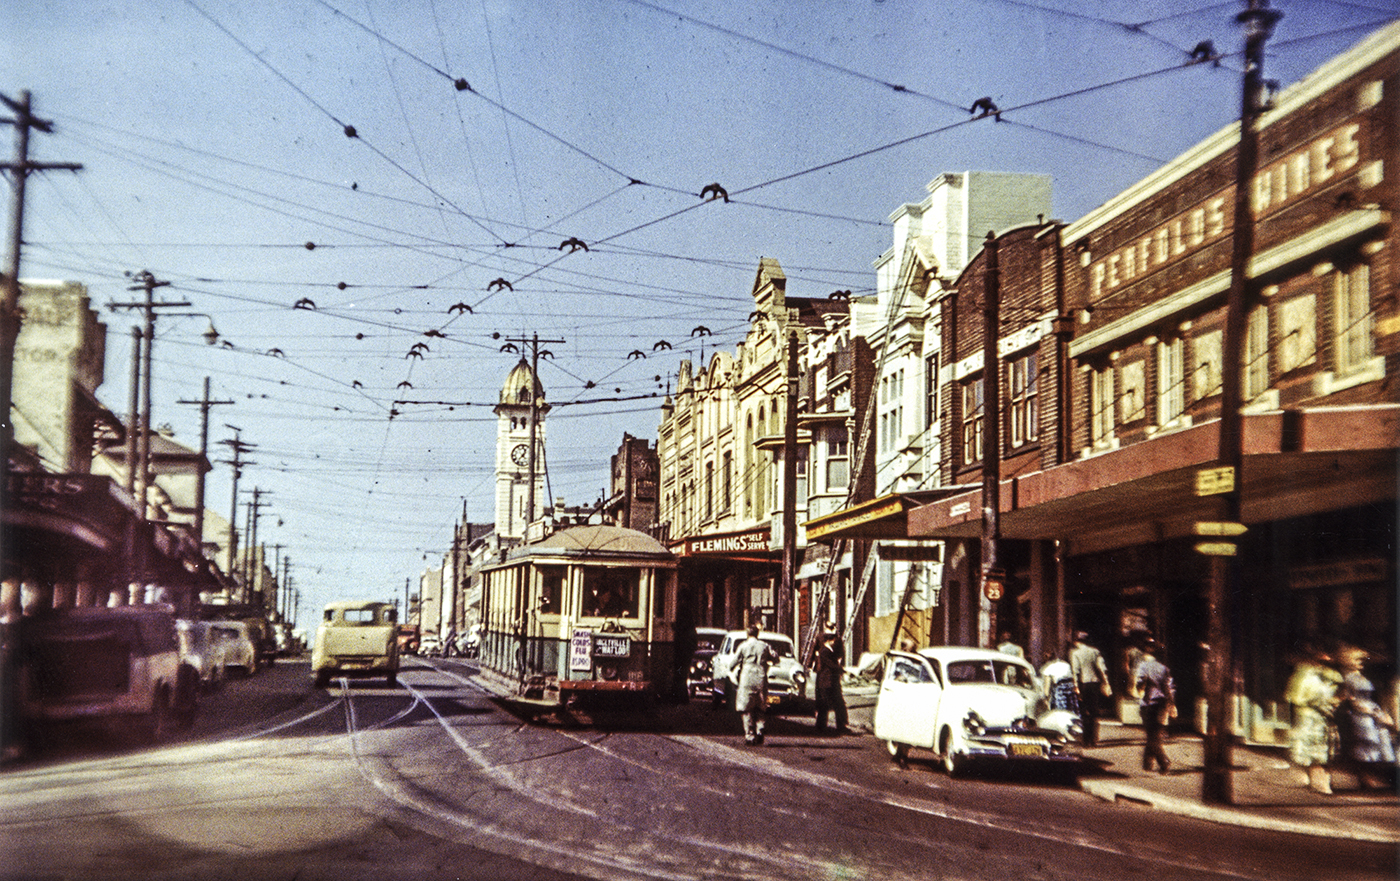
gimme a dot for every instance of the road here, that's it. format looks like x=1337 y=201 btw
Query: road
x=433 y=779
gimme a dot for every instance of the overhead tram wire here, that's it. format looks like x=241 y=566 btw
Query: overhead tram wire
x=348 y=130
x=463 y=86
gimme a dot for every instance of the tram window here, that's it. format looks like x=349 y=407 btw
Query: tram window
x=610 y=592
x=551 y=589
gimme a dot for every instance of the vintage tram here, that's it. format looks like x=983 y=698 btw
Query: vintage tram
x=583 y=616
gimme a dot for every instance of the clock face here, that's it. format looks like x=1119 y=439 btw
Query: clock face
x=520 y=454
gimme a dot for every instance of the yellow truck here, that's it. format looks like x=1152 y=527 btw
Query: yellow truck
x=356 y=638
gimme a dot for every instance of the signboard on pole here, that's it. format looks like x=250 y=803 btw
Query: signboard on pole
x=581 y=651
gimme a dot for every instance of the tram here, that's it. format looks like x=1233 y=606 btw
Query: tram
x=584 y=615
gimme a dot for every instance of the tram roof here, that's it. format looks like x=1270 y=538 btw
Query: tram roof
x=599 y=540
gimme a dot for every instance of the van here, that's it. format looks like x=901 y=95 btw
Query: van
x=356 y=638
x=107 y=665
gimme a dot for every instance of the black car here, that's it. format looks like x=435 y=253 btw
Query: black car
x=707 y=640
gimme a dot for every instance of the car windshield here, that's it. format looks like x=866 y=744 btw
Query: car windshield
x=781 y=647
x=708 y=641
x=984 y=670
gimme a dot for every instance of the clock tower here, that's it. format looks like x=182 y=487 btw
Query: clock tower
x=514 y=419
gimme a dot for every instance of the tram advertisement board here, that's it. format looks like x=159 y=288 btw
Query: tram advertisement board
x=581 y=651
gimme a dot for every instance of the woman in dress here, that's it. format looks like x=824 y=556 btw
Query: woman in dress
x=1313 y=693
x=1366 y=733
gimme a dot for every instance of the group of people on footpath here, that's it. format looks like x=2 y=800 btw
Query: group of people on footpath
x=1337 y=722
x=1078 y=681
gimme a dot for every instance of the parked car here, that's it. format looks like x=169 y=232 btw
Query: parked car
x=356 y=638
x=109 y=665
x=239 y=652
x=969 y=705
x=701 y=672
x=430 y=645
x=202 y=646
x=787 y=679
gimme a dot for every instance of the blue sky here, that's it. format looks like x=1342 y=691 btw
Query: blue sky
x=213 y=140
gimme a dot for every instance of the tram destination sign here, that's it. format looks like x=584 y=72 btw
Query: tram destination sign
x=611 y=645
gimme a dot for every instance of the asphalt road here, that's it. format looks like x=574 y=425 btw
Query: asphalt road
x=433 y=779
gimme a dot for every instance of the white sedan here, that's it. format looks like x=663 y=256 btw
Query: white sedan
x=969 y=704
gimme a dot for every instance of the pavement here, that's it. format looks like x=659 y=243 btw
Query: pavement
x=1268 y=792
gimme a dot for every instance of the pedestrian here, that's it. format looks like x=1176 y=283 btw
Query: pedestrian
x=1312 y=692
x=1057 y=684
x=1157 y=702
x=1091 y=682
x=1366 y=743
x=749 y=673
x=1008 y=646
x=831 y=668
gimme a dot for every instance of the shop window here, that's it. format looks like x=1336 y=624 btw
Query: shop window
x=1132 y=401
x=1171 y=381
x=1256 y=353
x=1023 y=385
x=1205 y=375
x=1355 y=341
x=973 y=413
x=1297 y=333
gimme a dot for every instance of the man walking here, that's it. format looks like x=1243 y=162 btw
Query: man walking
x=830 y=669
x=1157 y=702
x=1091 y=680
x=750 y=677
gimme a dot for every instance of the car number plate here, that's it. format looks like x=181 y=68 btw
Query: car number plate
x=1034 y=750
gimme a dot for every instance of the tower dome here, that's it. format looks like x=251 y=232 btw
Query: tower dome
x=518 y=384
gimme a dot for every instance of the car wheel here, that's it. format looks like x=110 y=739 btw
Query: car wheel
x=156 y=725
x=323 y=678
x=899 y=752
x=954 y=764
x=391 y=679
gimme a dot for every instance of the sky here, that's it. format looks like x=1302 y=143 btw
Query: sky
x=385 y=163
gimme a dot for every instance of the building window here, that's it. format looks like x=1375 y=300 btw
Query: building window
x=838 y=458
x=1171 y=381
x=709 y=490
x=1023 y=384
x=1205 y=376
x=972 y=420
x=1132 y=402
x=931 y=389
x=1355 y=341
x=1101 y=406
x=1256 y=353
x=727 y=481
x=1297 y=333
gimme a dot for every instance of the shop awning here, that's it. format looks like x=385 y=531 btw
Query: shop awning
x=885 y=517
x=1295 y=463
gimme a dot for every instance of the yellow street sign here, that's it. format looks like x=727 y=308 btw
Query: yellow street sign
x=1208 y=527
x=1216 y=548
x=1215 y=481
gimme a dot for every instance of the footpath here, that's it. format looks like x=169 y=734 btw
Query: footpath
x=1268 y=792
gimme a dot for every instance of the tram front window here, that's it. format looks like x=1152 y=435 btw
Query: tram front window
x=611 y=593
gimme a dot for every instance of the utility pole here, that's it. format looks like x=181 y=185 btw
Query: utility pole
x=10 y=318
x=534 y=343
x=239 y=448
x=783 y=610
x=255 y=562
x=204 y=405
x=133 y=410
x=1223 y=591
x=148 y=283
x=993 y=576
